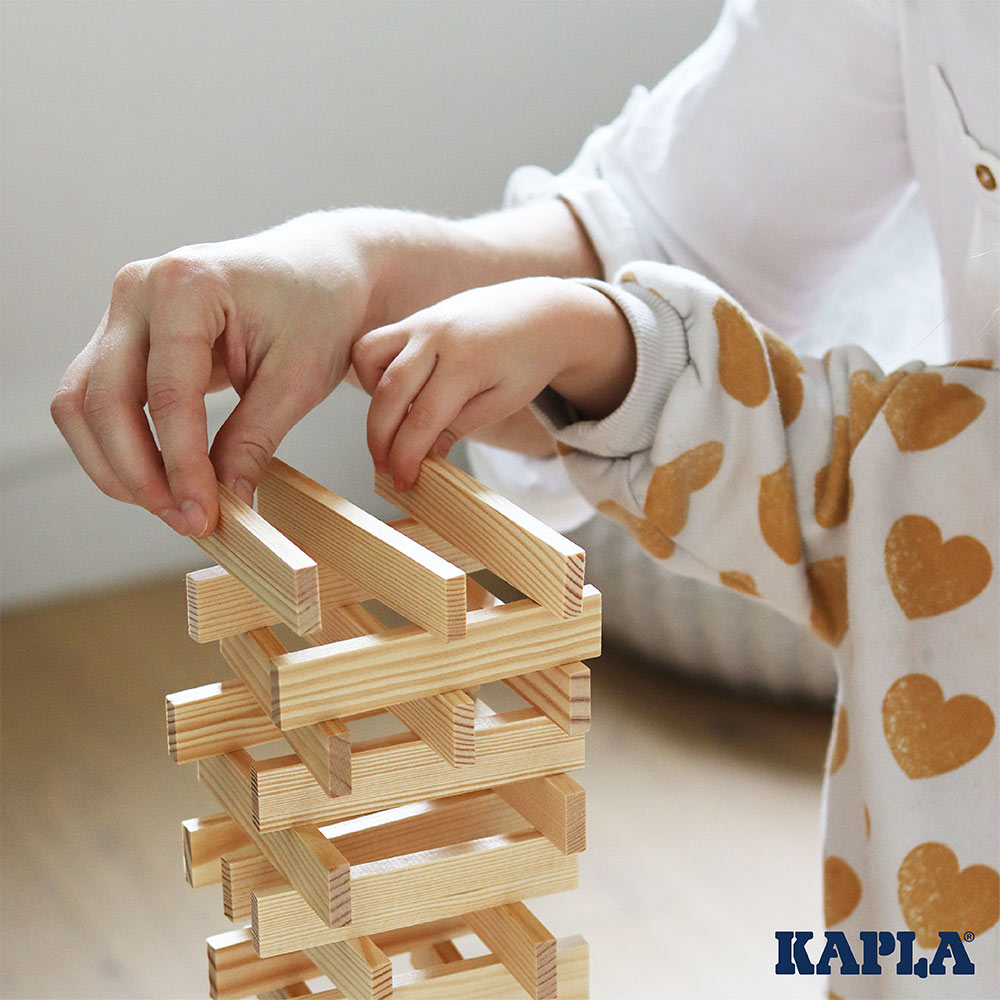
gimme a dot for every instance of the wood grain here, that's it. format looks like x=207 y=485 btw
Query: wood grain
x=270 y=566
x=513 y=544
x=206 y=839
x=562 y=693
x=414 y=888
x=520 y=940
x=393 y=770
x=303 y=856
x=404 y=664
x=426 y=589
x=556 y=805
x=358 y=966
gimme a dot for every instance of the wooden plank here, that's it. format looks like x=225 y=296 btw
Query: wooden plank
x=513 y=544
x=414 y=888
x=555 y=805
x=358 y=967
x=520 y=940
x=243 y=871
x=214 y=719
x=235 y=970
x=219 y=605
x=325 y=749
x=434 y=954
x=403 y=664
x=270 y=566
x=426 y=589
x=290 y=992
x=445 y=722
x=394 y=770
x=303 y=855
x=562 y=693
x=424 y=826
x=206 y=839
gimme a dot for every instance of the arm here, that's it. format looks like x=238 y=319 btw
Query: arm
x=275 y=316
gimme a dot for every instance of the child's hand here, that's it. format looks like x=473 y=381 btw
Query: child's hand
x=482 y=355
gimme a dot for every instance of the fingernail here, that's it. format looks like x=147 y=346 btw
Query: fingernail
x=172 y=517
x=244 y=491
x=196 y=518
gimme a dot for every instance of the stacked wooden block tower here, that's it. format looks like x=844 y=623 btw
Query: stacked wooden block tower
x=340 y=853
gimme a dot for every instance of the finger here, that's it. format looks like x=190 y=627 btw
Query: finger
x=392 y=397
x=373 y=353
x=178 y=375
x=247 y=441
x=113 y=410
x=481 y=411
x=434 y=408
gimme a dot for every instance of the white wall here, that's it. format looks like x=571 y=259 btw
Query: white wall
x=133 y=127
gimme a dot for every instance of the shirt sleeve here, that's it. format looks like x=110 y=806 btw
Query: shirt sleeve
x=762 y=161
x=736 y=460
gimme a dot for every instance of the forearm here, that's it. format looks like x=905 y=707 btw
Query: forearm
x=413 y=260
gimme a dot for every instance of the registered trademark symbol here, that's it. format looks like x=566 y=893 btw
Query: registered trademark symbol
x=969 y=936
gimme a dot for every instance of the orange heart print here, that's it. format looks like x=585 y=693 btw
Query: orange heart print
x=924 y=411
x=928 y=735
x=935 y=895
x=929 y=576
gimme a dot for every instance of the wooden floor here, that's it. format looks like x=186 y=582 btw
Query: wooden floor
x=703 y=819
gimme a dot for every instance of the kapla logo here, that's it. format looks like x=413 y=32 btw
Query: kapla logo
x=793 y=959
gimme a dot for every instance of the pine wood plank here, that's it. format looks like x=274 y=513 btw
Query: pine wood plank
x=562 y=693
x=214 y=719
x=243 y=871
x=290 y=992
x=235 y=971
x=426 y=589
x=303 y=855
x=513 y=544
x=325 y=749
x=398 y=769
x=520 y=940
x=267 y=563
x=445 y=722
x=358 y=967
x=403 y=664
x=413 y=888
x=434 y=954
x=556 y=805
x=219 y=605
x=206 y=839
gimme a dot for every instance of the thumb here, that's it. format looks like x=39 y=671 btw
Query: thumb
x=248 y=439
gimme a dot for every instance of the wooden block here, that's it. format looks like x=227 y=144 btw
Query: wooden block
x=325 y=749
x=397 y=769
x=424 y=826
x=555 y=805
x=214 y=719
x=485 y=977
x=519 y=939
x=358 y=967
x=445 y=722
x=235 y=971
x=404 y=664
x=243 y=871
x=271 y=567
x=303 y=855
x=513 y=544
x=219 y=605
x=562 y=693
x=418 y=887
x=426 y=589
x=434 y=954
x=290 y=992
x=206 y=840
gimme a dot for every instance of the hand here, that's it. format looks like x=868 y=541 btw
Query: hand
x=482 y=355
x=273 y=315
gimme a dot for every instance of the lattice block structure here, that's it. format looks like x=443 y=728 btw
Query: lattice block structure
x=344 y=852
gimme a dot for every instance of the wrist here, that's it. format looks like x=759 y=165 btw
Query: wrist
x=600 y=355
